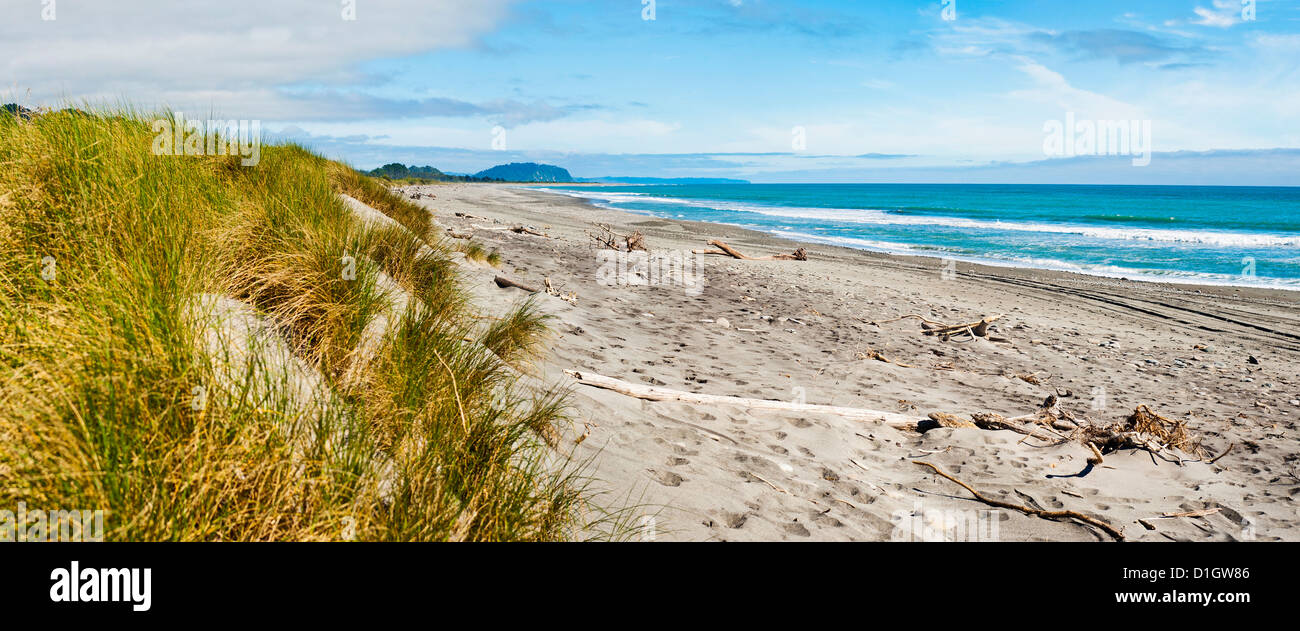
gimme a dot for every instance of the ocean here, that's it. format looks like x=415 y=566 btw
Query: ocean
x=1245 y=236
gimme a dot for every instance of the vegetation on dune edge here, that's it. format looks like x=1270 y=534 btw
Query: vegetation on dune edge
x=214 y=352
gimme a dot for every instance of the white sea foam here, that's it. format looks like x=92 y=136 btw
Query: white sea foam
x=607 y=199
x=883 y=218
x=1107 y=271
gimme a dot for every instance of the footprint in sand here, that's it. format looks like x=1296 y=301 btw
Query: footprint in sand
x=666 y=478
x=797 y=529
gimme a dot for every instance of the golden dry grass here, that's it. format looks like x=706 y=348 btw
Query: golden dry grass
x=110 y=398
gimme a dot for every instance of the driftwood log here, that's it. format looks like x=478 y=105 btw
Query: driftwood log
x=522 y=229
x=725 y=250
x=504 y=282
x=1144 y=429
x=517 y=229
x=654 y=393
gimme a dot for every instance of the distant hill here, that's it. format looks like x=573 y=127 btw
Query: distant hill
x=663 y=180
x=398 y=171
x=530 y=172
x=526 y=172
x=18 y=110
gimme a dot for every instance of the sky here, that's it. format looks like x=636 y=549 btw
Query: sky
x=765 y=90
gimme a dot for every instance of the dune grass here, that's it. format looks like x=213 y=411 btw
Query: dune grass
x=476 y=252
x=388 y=415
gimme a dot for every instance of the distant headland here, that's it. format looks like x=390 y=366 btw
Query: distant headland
x=530 y=172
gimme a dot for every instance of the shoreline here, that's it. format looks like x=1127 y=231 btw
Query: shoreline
x=1225 y=360
x=1192 y=283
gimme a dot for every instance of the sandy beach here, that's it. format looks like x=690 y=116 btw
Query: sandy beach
x=1222 y=358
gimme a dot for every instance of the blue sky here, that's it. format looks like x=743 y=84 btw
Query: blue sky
x=885 y=90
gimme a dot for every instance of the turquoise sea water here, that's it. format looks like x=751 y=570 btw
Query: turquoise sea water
x=1203 y=234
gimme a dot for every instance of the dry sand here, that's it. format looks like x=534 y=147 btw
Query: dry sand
x=728 y=473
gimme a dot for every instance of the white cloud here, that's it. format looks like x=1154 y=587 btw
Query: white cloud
x=977 y=37
x=1289 y=43
x=595 y=135
x=219 y=53
x=1224 y=14
x=1052 y=89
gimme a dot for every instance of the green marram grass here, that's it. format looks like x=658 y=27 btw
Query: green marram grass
x=111 y=396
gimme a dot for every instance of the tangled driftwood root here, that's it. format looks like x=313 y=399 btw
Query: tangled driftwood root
x=1144 y=429
x=571 y=297
x=725 y=250
x=1165 y=438
x=947 y=331
x=610 y=240
x=1045 y=514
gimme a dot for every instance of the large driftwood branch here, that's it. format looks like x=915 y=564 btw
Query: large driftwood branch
x=654 y=393
x=1046 y=514
x=930 y=327
x=977 y=329
x=725 y=250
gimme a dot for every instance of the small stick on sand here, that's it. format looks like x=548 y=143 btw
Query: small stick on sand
x=1204 y=512
x=1058 y=514
x=1225 y=452
x=910 y=315
x=774 y=487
